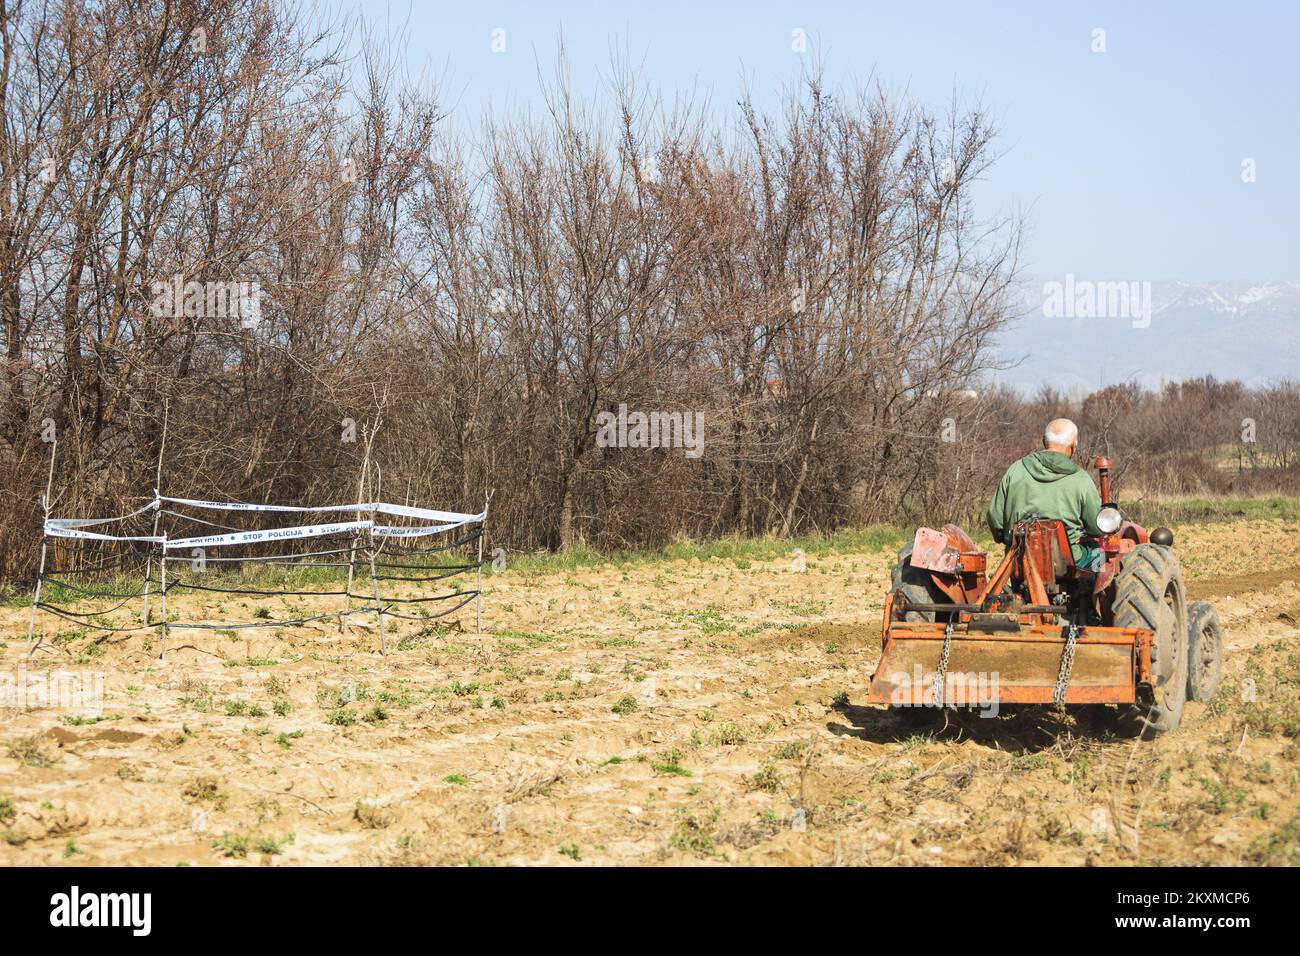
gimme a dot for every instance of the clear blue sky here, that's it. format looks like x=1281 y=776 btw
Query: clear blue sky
x=1129 y=162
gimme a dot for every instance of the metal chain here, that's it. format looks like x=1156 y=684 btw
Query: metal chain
x=941 y=675
x=1067 y=664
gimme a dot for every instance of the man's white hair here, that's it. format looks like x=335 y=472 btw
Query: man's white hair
x=1062 y=432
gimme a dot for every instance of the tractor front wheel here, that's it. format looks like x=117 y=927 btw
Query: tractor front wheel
x=1204 y=652
x=916 y=585
x=1149 y=593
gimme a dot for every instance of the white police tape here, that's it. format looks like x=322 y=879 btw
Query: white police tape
x=419 y=531
x=380 y=507
x=255 y=537
x=270 y=534
x=70 y=527
x=58 y=531
x=258 y=537
x=308 y=531
x=91 y=522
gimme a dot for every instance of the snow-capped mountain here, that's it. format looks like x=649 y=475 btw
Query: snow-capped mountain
x=1082 y=333
x=1236 y=298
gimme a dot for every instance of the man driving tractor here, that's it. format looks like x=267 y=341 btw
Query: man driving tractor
x=1049 y=484
x=1084 y=608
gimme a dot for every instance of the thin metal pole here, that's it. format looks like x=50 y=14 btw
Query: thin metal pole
x=478 y=572
x=374 y=581
x=36 y=601
x=379 y=607
x=162 y=596
x=356 y=537
x=40 y=573
x=347 y=596
x=148 y=561
x=157 y=513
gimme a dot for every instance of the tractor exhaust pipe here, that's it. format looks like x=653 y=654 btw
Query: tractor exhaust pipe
x=1102 y=464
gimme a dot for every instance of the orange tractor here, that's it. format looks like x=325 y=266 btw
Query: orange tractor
x=1040 y=630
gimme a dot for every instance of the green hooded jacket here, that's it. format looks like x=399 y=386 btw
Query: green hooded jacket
x=1050 y=485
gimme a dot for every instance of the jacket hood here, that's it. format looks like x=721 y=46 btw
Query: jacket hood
x=1049 y=465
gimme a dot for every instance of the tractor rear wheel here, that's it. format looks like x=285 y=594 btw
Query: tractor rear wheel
x=1204 y=651
x=1149 y=593
x=916 y=585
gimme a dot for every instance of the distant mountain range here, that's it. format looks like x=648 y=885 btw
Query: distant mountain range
x=1231 y=330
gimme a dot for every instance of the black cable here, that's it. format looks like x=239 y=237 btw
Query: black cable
x=306 y=564
x=420 y=600
x=436 y=577
x=78 y=618
x=88 y=613
x=472 y=536
x=205 y=587
x=92 y=569
x=82 y=618
x=294 y=623
x=90 y=593
x=263 y=557
x=59 y=612
x=430 y=617
x=430 y=567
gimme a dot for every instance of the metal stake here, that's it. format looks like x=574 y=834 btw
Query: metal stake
x=40 y=574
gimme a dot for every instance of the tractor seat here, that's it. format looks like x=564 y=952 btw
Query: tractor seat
x=1048 y=546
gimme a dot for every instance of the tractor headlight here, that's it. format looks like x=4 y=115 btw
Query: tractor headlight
x=1109 y=519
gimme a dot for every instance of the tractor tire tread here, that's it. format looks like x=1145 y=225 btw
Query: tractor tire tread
x=1204 y=651
x=1145 y=574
